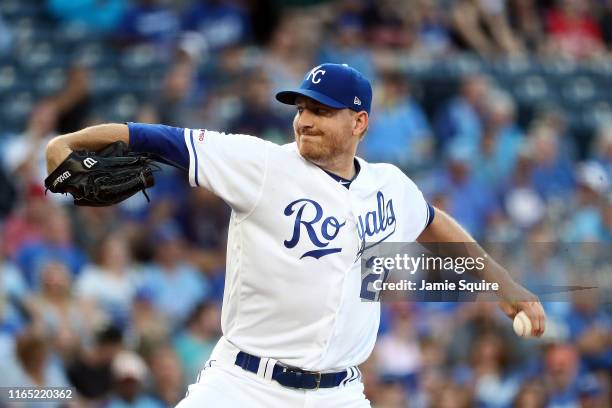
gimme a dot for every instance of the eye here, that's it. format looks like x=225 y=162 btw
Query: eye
x=321 y=111
x=300 y=109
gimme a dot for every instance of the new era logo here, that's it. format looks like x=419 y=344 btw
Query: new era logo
x=357 y=101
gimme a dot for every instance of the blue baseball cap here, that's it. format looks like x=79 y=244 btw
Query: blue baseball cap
x=335 y=85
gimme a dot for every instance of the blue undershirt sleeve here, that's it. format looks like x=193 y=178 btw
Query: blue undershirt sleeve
x=430 y=214
x=167 y=142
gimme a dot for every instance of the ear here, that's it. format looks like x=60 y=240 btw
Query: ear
x=361 y=120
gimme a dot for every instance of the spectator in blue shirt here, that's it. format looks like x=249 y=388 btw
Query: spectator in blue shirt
x=552 y=175
x=149 y=22
x=462 y=117
x=220 y=23
x=466 y=199
x=347 y=45
x=56 y=245
x=92 y=15
x=399 y=133
x=171 y=273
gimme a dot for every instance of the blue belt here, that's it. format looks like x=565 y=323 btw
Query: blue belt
x=293 y=377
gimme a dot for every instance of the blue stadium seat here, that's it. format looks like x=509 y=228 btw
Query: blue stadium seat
x=514 y=67
x=576 y=91
x=532 y=90
x=122 y=108
x=139 y=58
x=105 y=81
x=15 y=9
x=15 y=110
x=93 y=54
x=597 y=113
x=559 y=68
x=50 y=82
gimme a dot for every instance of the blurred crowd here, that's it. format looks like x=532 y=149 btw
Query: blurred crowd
x=123 y=302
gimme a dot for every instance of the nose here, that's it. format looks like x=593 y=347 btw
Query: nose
x=304 y=120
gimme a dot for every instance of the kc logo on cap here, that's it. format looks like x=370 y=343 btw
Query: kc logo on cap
x=335 y=85
x=312 y=75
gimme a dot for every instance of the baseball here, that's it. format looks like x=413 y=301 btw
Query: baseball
x=522 y=324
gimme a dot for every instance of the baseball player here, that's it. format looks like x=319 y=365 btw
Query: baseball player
x=295 y=326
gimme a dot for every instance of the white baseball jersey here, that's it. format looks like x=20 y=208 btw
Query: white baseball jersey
x=293 y=278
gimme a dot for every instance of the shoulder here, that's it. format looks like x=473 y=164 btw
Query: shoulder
x=387 y=174
x=382 y=170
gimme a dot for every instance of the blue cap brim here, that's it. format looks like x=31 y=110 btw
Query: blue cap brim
x=288 y=97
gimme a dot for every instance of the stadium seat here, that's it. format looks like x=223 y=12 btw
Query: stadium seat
x=122 y=108
x=105 y=81
x=50 y=82
x=15 y=110
x=514 y=67
x=579 y=90
x=597 y=113
x=139 y=58
x=531 y=90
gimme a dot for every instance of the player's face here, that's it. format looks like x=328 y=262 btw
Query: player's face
x=323 y=134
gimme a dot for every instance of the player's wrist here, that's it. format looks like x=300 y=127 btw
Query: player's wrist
x=56 y=153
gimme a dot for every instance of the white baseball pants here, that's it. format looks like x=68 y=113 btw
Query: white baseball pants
x=223 y=384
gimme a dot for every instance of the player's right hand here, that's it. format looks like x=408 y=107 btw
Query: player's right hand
x=520 y=299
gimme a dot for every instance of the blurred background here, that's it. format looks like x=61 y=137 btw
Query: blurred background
x=500 y=110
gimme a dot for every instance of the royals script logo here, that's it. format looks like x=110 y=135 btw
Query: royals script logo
x=320 y=231
x=373 y=227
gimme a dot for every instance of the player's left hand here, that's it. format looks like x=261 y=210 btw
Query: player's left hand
x=522 y=299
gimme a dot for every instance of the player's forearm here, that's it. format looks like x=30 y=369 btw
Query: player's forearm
x=444 y=229
x=91 y=138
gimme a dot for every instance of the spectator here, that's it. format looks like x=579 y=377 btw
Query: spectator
x=347 y=45
x=399 y=133
x=62 y=317
x=552 y=175
x=602 y=149
x=220 y=23
x=24 y=155
x=90 y=372
x=256 y=116
x=482 y=26
x=387 y=26
x=6 y=38
x=195 y=342
x=522 y=203
x=501 y=142
x=591 y=330
x=605 y=23
x=489 y=372
x=573 y=31
x=468 y=200
x=397 y=352
x=585 y=221
x=25 y=224
x=531 y=395
x=110 y=282
x=462 y=117
x=90 y=15
x=15 y=303
x=170 y=274
x=287 y=56
x=432 y=29
x=452 y=395
x=525 y=20
x=168 y=384
x=129 y=377
x=148 y=325
x=32 y=365
x=151 y=22
x=56 y=244
x=561 y=375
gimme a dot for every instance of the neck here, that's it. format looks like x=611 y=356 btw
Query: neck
x=342 y=167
